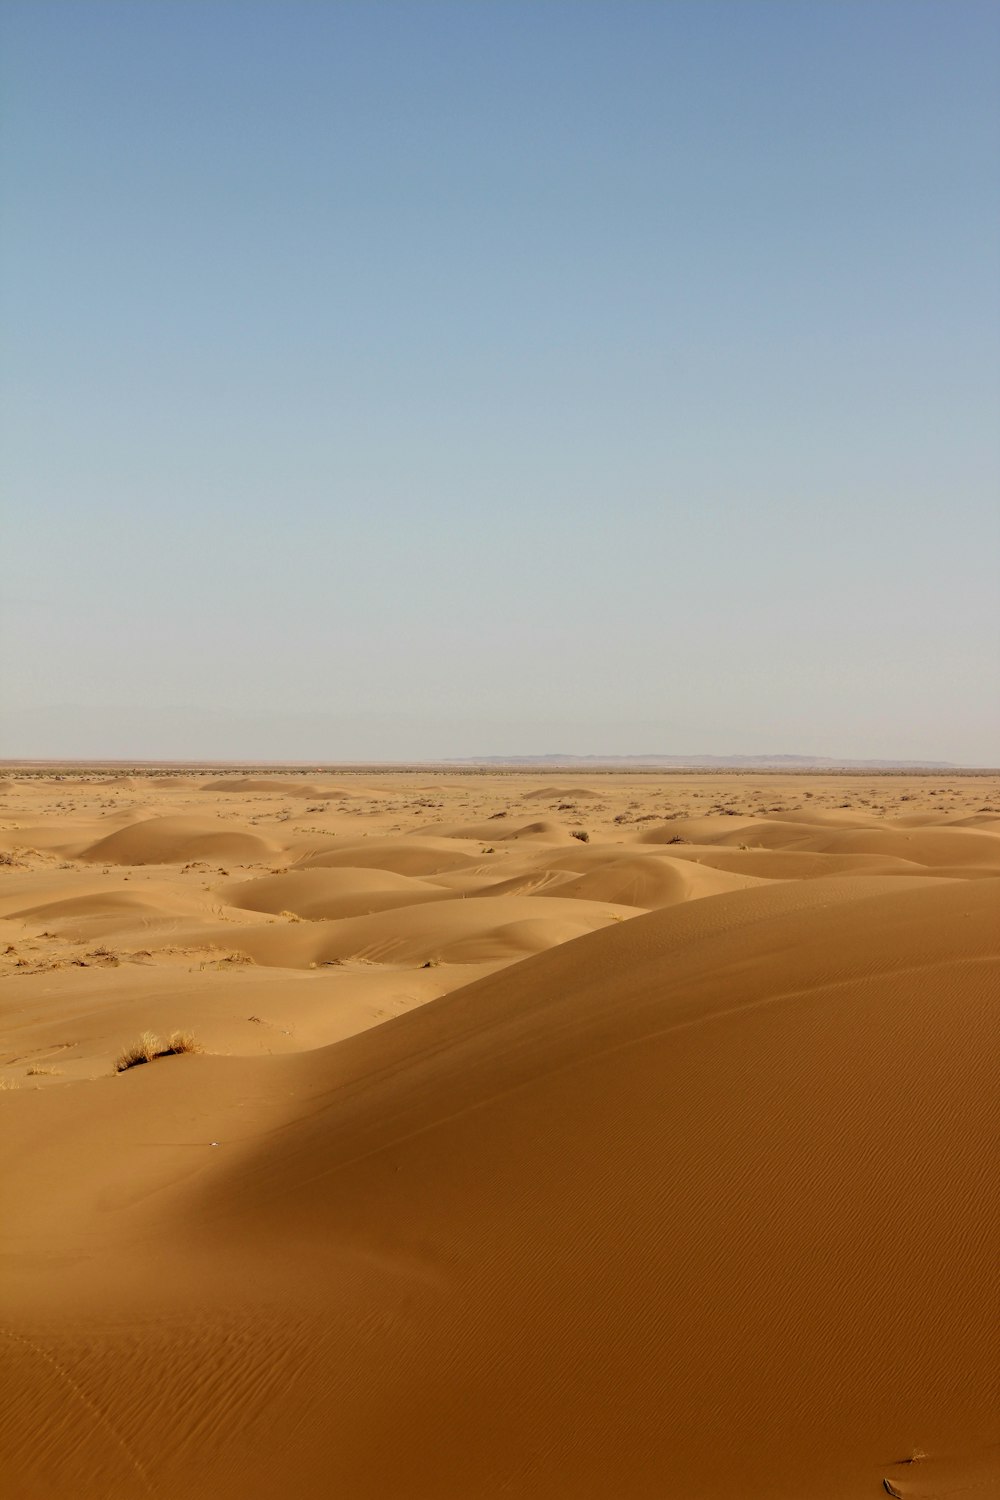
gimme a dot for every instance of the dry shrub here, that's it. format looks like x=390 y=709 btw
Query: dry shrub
x=150 y=1046
x=180 y=1041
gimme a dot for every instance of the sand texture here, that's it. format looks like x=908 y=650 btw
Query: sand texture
x=633 y=1137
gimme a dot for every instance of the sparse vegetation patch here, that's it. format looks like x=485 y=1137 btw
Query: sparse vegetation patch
x=150 y=1046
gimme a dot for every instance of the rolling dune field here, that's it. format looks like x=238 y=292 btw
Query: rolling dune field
x=628 y=1137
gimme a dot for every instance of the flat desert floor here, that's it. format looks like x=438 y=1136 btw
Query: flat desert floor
x=628 y=1136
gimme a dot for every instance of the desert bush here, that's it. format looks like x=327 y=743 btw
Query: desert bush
x=150 y=1046
x=581 y=834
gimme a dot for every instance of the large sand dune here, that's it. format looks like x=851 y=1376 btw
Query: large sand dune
x=670 y=1173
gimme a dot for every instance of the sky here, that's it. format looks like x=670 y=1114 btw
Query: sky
x=415 y=380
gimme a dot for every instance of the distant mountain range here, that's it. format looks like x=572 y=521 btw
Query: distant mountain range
x=790 y=763
x=708 y=762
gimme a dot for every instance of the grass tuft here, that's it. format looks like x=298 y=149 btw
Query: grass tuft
x=150 y=1046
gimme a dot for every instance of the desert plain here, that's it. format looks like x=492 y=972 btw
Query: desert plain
x=529 y=1135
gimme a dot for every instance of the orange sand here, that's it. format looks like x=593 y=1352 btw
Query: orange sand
x=660 y=1164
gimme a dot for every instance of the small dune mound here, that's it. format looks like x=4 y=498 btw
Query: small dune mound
x=706 y=830
x=477 y=929
x=450 y=930
x=543 y=830
x=260 y=785
x=649 y=883
x=98 y=904
x=517 y=939
x=529 y=883
x=318 y=894
x=562 y=794
x=265 y=786
x=815 y=817
x=792 y=864
x=322 y=793
x=404 y=856
x=175 y=840
x=934 y=847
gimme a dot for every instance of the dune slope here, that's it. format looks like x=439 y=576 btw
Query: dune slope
x=700 y=1204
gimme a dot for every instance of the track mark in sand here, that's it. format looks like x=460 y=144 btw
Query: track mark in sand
x=102 y=1419
x=966 y=1476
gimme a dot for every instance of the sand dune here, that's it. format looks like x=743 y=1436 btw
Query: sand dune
x=172 y=840
x=917 y=844
x=928 y=846
x=99 y=904
x=794 y=864
x=672 y=1175
x=562 y=794
x=705 y=830
x=325 y=892
x=416 y=856
x=545 y=830
x=276 y=785
x=650 y=883
x=467 y=930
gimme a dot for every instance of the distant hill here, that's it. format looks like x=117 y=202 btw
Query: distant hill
x=709 y=762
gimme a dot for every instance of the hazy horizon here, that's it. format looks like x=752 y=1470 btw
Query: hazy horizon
x=422 y=381
x=95 y=734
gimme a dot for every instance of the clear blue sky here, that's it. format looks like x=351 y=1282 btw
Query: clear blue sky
x=411 y=380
